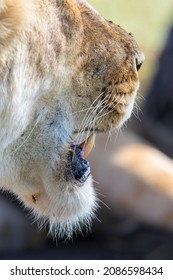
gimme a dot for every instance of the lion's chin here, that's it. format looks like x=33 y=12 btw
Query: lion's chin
x=64 y=209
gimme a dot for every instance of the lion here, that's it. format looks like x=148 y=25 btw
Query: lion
x=64 y=70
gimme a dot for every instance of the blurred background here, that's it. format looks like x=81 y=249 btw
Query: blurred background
x=132 y=169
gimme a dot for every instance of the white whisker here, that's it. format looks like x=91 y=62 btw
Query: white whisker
x=89 y=117
x=99 y=96
x=24 y=142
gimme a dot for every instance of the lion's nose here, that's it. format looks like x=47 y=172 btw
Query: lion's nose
x=139 y=61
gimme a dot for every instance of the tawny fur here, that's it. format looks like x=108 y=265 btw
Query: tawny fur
x=58 y=59
x=14 y=15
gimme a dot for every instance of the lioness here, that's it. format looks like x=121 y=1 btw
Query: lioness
x=63 y=70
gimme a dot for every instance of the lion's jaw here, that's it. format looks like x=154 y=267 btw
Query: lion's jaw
x=81 y=76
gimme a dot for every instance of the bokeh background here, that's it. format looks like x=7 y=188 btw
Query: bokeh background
x=132 y=169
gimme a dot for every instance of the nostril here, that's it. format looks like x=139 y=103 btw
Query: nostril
x=138 y=64
x=139 y=60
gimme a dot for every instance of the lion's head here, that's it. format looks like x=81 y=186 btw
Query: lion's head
x=63 y=70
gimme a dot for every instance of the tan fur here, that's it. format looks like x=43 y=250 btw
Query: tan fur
x=64 y=69
x=14 y=15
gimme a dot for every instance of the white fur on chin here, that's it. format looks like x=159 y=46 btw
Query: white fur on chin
x=67 y=211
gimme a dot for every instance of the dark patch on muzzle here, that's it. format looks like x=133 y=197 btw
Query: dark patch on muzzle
x=78 y=167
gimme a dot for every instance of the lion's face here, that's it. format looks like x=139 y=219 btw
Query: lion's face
x=64 y=70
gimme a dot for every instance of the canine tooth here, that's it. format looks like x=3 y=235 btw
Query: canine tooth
x=87 y=145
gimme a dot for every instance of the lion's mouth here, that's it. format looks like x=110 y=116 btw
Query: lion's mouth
x=78 y=153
